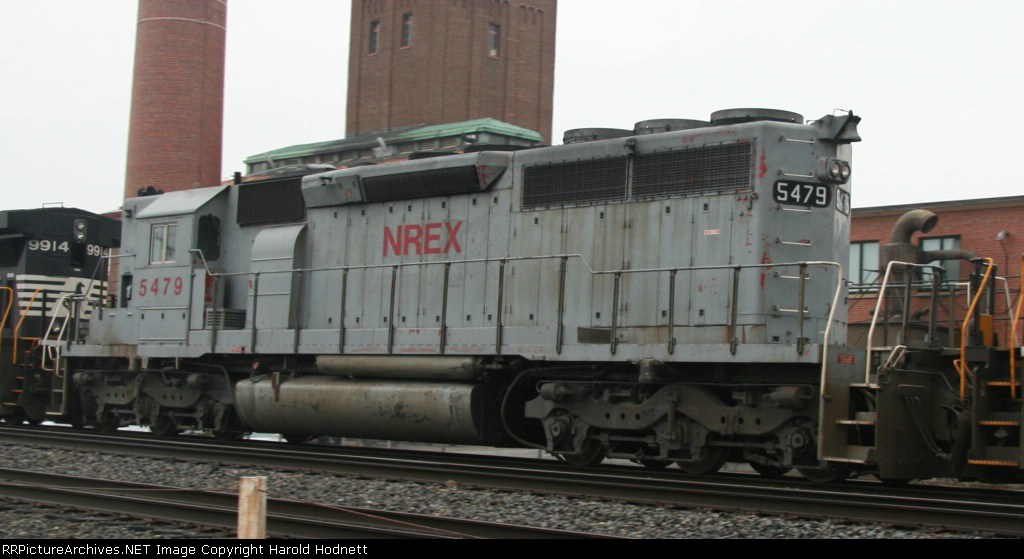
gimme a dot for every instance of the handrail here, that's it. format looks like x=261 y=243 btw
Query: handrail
x=563 y=257
x=7 y=312
x=60 y=335
x=1006 y=292
x=1013 y=335
x=961 y=364
x=878 y=308
x=17 y=329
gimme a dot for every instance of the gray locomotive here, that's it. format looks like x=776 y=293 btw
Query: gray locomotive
x=674 y=294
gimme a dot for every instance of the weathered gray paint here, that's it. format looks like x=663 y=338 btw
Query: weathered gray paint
x=746 y=228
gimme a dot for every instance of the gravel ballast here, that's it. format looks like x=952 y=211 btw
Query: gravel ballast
x=20 y=520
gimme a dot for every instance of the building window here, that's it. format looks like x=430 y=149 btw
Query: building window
x=952 y=266
x=863 y=266
x=162 y=242
x=374 y=37
x=494 y=40
x=407 y=30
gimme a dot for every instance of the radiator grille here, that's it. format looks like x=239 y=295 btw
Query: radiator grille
x=695 y=171
x=422 y=184
x=277 y=201
x=575 y=183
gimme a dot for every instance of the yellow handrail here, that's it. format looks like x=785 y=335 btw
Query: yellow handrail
x=7 y=313
x=961 y=364
x=1013 y=334
x=28 y=307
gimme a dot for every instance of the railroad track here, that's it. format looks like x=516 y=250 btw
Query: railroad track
x=285 y=518
x=996 y=512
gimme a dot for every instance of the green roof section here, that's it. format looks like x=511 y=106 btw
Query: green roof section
x=409 y=134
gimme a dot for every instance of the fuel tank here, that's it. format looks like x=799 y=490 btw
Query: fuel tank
x=331 y=406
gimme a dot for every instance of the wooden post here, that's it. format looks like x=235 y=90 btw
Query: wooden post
x=252 y=508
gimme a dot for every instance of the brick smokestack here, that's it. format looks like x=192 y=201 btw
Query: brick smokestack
x=177 y=113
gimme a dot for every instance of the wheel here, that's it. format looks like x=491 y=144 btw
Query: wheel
x=164 y=426
x=228 y=435
x=108 y=423
x=592 y=455
x=230 y=428
x=714 y=458
x=293 y=438
x=769 y=472
x=656 y=465
x=831 y=474
x=16 y=417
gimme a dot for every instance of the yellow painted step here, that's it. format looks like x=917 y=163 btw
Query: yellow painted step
x=997 y=463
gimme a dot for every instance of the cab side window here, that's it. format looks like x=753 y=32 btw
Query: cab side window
x=209 y=237
x=163 y=239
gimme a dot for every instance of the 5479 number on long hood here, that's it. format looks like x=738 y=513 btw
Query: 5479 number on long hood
x=806 y=194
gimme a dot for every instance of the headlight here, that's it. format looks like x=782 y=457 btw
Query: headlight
x=835 y=171
x=80 y=230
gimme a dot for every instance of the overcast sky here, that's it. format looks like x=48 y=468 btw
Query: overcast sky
x=940 y=84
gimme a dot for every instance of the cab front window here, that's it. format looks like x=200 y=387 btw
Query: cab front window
x=162 y=243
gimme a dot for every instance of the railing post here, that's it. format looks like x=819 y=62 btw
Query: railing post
x=672 y=311
x=188 y=308
x=905 y=326
x=615 y=313
x=298 y=309
x=341 y=319
x=391 y=310
x=734 y=311
x=933 y=317
x=255 y=308
x=501 y=303
x=42 y=316
x=444 y=306
x=213 y=316
x=800 y=340
x=952 y=315
x=561 y=304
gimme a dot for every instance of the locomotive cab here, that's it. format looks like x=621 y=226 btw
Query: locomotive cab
x=49 y=257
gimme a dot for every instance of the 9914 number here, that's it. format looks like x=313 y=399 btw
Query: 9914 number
x=803 y=194
x=61 y=246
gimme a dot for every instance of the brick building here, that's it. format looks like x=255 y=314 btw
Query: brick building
x=177 y=113
x=989 y=227
x=424 y=62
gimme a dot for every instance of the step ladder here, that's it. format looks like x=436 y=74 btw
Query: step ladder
x=996 y=421
x=847 y=425
x=996 y=434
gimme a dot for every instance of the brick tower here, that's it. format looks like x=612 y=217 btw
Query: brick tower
x=439 y=61
x=177 y=116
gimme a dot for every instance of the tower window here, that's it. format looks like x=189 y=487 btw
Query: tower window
x=494 y=40
x=407 y=30
x=374 y=37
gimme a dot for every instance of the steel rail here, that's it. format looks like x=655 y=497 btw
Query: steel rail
x=285 y=518
x=997 y=512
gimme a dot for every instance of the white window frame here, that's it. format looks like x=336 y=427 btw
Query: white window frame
x=158 y=254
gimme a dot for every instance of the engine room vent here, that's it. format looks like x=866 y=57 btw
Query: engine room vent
x=660 y=125
x=583 y=135
x=446 y=181
x=575 y=183
x=273 y=201
x=695 y=171
x=739 y=116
